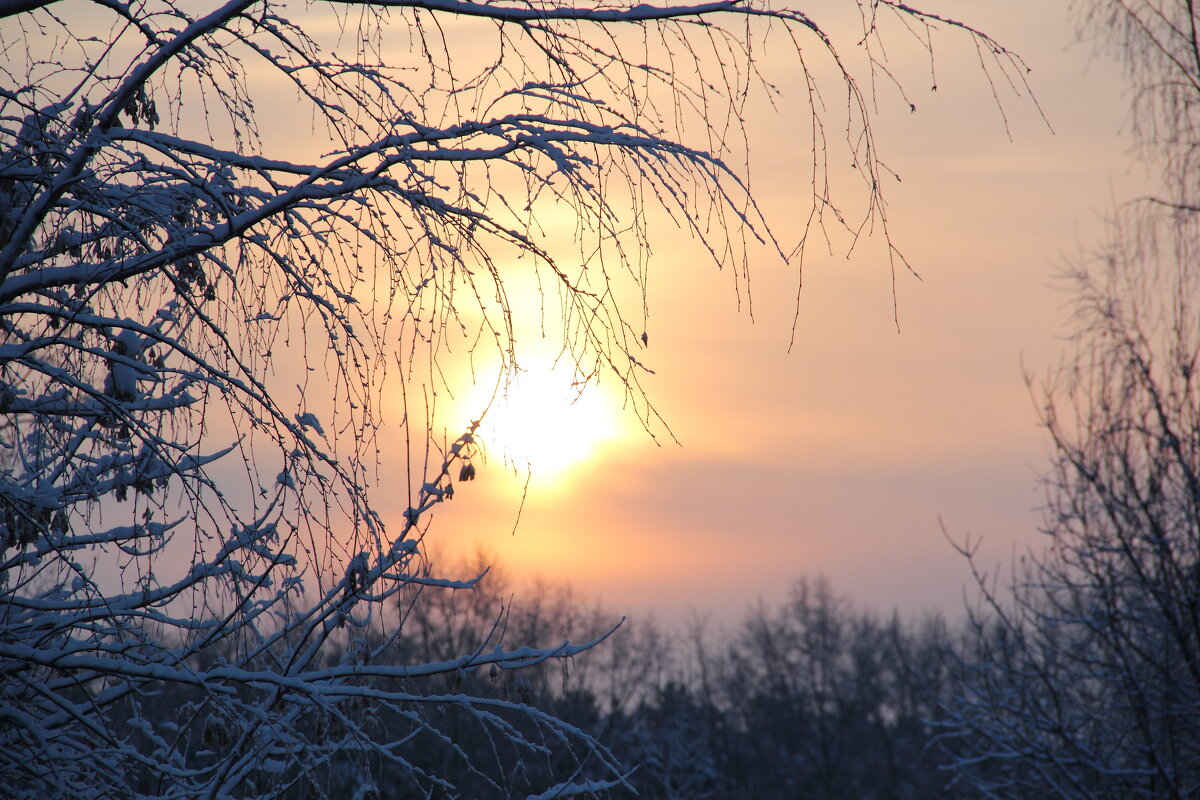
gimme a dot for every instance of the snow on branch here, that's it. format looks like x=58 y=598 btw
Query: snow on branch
x=239 y=250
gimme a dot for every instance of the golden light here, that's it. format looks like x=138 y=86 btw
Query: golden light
x=545 y=421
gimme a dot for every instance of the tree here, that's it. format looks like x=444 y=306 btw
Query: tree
x=200 y=311
x=822 y=700
x=1083 y=680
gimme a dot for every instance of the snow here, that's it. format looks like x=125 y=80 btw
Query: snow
x=309 y=420
x=576 y=788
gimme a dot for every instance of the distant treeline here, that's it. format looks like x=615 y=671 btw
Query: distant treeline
x=1039 y=695
x=1052 y=689
x=811 y=698
x=808 y=699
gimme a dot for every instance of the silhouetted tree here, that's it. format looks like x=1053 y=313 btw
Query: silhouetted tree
x=815 y=699
x=1082 y=679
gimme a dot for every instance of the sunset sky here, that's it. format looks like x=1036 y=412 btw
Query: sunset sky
x=839 y=456
x=315 y=312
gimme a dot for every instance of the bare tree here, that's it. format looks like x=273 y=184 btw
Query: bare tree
x=1083 y=681
x=1158 y=42
x=819 y=699
x=200 y=309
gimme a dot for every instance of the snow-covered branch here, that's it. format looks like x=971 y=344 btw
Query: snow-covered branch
x=234 y=241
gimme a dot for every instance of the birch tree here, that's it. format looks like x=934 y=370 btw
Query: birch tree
x=1082 y=679
x=223 y=231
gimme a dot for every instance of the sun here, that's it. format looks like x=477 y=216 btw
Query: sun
x=545 y=421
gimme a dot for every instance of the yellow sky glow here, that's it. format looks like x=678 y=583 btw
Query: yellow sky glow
x=542 y=420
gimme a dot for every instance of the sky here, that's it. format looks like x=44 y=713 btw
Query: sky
x=847 y=435
x=847 y=453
